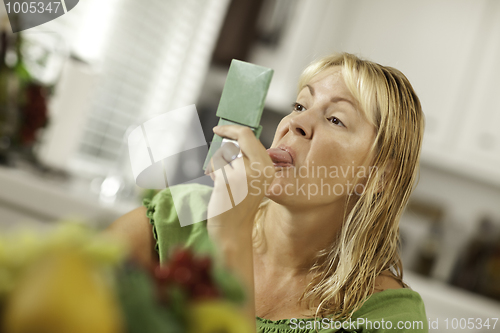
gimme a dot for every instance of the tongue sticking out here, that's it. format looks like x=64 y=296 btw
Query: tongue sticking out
x=279 y=156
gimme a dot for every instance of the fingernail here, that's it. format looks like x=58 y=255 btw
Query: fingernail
x=216 y=128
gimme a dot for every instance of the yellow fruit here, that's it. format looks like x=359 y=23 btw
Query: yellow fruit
x=217 y=316
x=60 y=294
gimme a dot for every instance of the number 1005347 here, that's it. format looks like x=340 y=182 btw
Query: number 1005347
x=33 y=7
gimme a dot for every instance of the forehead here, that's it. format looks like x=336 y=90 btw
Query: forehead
x=333 y=73
x=331 y=82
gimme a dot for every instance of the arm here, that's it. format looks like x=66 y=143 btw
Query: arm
x=231 y=228
x=135 y=231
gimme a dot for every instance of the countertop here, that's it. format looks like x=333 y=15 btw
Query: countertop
x=42 y=199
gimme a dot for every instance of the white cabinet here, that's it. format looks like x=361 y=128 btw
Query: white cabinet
x=449 y=50
x=478 y=143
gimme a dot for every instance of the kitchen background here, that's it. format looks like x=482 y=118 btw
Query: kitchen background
x=73 y=88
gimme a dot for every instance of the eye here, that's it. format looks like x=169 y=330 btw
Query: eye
x=298 y=107
x=336 y=121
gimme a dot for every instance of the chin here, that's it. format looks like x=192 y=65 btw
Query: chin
x=281 y=200
x=276 y=192
x=284 y=193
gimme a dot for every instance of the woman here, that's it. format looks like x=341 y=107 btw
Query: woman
x=317 y=235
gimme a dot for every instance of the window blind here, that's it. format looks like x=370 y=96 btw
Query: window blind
x=155 y=60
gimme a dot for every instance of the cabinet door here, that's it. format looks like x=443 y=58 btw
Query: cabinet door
x=478 y=146
x=429 y=41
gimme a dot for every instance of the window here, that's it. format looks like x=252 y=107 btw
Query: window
x=151 y=58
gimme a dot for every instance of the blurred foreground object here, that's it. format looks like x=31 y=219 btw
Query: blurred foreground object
x=187 y=294
x=58 y=282
x=62 y=293
x=75 y=280
x=217 y=316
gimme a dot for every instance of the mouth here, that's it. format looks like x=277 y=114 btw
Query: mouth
x=282 y=156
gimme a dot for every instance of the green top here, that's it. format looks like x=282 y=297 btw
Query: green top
x=381 y=312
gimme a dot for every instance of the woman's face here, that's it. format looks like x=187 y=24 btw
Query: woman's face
x=328 y=138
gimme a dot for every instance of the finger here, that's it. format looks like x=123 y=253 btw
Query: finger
x=224 y=155
x=210 y=169
x=249 y=144
x=228 y=150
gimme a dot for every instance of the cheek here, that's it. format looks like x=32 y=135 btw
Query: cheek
x=336 y=153
x=355 y=167
x=352 y=151
x=342 y=160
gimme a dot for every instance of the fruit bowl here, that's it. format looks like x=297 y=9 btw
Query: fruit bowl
x=75 y=280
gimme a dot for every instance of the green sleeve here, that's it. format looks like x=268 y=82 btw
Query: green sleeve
x=393 y=310
x=390 y=311
x=167 y=230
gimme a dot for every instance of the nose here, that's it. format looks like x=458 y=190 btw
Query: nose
x=301 y=125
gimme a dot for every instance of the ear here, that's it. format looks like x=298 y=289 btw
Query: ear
x=385 y=174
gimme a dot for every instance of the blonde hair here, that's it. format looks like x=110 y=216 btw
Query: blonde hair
x=368 y=244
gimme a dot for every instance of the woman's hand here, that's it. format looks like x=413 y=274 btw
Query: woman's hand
x=230 y=220
x=245 y=179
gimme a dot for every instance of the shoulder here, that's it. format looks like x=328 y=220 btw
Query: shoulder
x=157 y=221
x=395 y=310
x=386 y=280
x=181 y=205
x=183 y=191
x=180 y=194
x=178 y=216
x=134 y=230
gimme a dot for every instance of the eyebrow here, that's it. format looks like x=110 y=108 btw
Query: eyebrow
x=334 y=99
x=311 y=89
